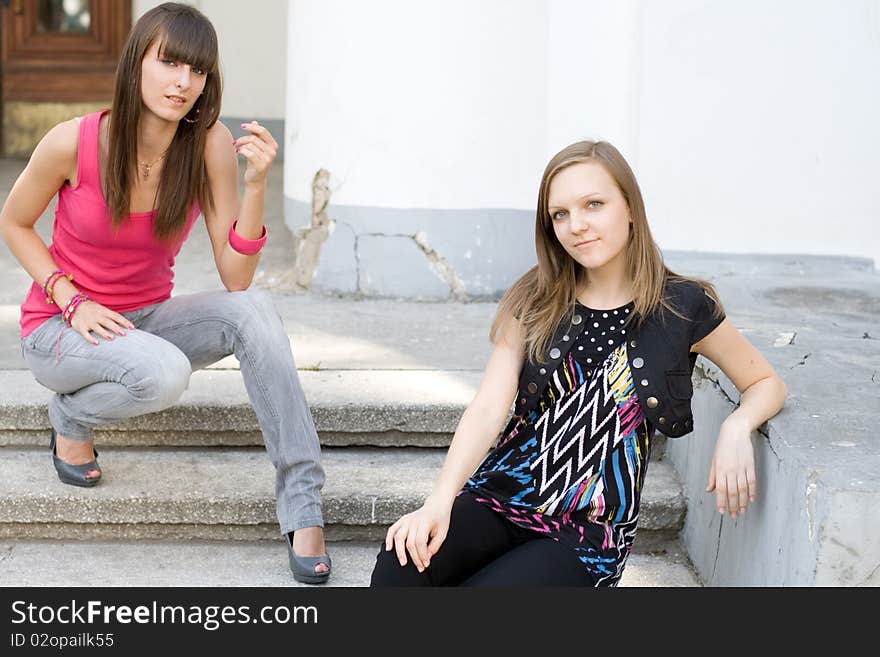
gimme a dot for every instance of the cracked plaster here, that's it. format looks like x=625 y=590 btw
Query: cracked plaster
x=474 y=254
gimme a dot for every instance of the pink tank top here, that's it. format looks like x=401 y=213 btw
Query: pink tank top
x=122 y=270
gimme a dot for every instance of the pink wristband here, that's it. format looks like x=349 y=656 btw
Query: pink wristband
x=245 y=246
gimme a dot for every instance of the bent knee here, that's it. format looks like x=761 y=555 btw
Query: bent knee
x=251 y=300
x=253 y=312
x=161 y=382
x=389 y=572
x=259 y=303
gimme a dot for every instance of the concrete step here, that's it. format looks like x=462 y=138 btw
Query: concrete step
x=239 y=563
x=398 y=408
x=350 y=407
x=228 y=493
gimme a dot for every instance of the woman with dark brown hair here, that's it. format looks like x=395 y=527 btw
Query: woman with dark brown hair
x=131 y=181
x=594 y=349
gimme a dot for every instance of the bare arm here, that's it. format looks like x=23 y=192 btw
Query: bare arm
x=236 y=269
x=478 y=428
x=52 y=163
x=762 y=390
x=732 y=473
x=484 y=417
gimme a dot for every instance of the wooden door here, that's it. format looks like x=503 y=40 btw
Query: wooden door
x=58 y=60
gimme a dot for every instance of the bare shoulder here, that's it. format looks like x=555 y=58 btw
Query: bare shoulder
x=60 y=142
x=52 y=162
x=55 y=155
x=510 y=333
x=218 y=142
x=221 y=162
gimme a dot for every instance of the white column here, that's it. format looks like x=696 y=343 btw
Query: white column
x=417 y=104
x=593 y=73
x=431 y=118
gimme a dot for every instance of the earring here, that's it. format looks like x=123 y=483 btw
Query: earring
x=195 y=120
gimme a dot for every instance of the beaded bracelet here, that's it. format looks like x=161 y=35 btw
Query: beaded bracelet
x=72 y=305
x=50 y=277
x=49 y=284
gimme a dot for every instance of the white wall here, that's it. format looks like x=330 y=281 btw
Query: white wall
x=593 y=74
x=759 y=126
x=752 y=126
x=415 y=104
x=253 y=53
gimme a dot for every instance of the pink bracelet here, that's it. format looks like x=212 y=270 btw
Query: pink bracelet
x=245 y=246
x=72 y=305
x=49 y=285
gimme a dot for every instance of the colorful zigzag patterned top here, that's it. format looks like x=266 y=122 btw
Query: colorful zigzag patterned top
x=573 y=468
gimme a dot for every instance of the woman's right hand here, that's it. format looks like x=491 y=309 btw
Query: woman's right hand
x=91 y=316
x=413 y=531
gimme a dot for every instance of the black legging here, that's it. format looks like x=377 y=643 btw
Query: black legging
x=484 y=549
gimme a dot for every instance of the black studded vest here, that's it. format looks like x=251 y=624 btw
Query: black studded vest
x=659 y=358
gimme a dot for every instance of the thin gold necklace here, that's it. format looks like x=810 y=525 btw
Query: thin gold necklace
x=147 y=167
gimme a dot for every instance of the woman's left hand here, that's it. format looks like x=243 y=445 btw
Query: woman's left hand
x=732 y=474
x=259 y=149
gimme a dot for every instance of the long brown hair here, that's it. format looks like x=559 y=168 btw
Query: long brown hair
x=547 y=293
x=185 y=35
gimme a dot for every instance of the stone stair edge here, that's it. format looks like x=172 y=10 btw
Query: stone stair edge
x=216 y=400
x=364 y=488
x=204 y=419
x=243 y=563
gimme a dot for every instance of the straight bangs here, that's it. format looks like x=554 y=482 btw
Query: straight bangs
x=185 y=35
x=185 y=39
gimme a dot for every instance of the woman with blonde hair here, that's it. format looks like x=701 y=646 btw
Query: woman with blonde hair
x=594 y=349
x=99 y=326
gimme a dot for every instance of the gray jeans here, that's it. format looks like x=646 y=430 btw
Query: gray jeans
x=149 y=368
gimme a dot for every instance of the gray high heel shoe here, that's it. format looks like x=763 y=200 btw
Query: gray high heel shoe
x=75 y=475
x=303 y=568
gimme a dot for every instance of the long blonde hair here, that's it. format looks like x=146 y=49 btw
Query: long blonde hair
x=547 y=293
